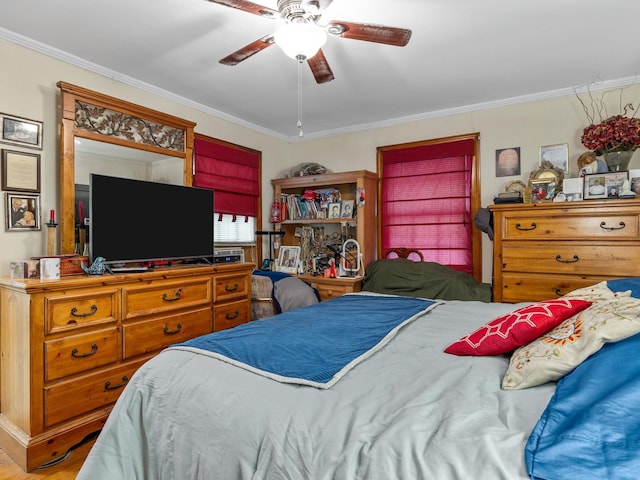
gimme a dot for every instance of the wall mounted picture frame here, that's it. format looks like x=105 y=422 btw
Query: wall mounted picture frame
x=508 y=162
x=20 y=171
x=604 y=185
x=22 y=212
x=557 y=155
x=288 y=259
x=20 y=131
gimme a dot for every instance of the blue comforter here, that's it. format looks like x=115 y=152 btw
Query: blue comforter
x=314 y=345
x=591 y=427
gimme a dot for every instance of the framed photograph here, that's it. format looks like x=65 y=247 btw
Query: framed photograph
x=347 y=209
x=635 y=185
x=21 y=131
x=604 y=185
x=572 y=189
x=334 y=210
x=23 y=212
x=20 y=171
x=288 y=259
x=508 y=162
x=542 y=190
x=557 y=155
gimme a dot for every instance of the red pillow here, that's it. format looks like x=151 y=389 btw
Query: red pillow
x=517 y=328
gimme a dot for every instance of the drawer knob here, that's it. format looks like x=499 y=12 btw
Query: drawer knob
x=231 y=289
x=573 y=260
x=74 y=312
x=108 y=386
x=526 y=229
x=232 y=316
x=176 y=296
x=172 y=332
x=620 y=226
x=75 y=354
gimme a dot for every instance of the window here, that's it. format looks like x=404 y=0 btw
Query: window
x=429 y=193
x=232 y=230
x=234 y=173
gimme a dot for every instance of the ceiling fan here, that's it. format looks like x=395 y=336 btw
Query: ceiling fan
x=303 y=22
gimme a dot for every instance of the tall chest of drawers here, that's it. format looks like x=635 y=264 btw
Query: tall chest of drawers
x=68 y=347
x=545 y=250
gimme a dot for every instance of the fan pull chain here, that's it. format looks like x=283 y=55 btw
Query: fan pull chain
x=299 y=125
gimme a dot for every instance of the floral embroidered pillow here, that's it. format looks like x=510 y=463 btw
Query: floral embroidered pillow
x=558 y=352
x=511 y=330
x=595 y=293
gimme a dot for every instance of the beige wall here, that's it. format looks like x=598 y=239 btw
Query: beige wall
x=29 y=90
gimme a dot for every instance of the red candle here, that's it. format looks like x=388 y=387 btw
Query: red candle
x=81 y=211
x=52 y=216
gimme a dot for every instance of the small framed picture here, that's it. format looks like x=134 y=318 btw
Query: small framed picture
x=20 y=171
x=542 y=190
x=288 y=259
x=23 y=212
x=508 y=162
x=334 y=210
x=558 y=155
x=347 y=209
x=635 y=185
x=21 y=131
x=604 y=185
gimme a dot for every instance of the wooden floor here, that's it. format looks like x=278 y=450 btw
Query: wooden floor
x=67 y=469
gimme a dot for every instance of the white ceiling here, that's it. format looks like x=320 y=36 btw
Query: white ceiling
x=463 y=55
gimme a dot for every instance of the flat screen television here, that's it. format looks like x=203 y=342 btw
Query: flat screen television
x=139 y=221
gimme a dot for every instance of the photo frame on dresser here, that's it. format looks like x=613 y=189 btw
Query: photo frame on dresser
x=604 y=185
x=288 y=259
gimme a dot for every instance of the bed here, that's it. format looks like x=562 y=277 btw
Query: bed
x=399 y=407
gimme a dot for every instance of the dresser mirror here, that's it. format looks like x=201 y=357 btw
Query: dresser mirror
x=106 y=135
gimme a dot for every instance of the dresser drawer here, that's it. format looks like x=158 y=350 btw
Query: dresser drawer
x=165 y=296
x=66 y=312
x=78 y=353
x=327 y=292
x=231 y=286
x=152 y=335
x=67 y=399
x=567 y=258
x=231 y=314
x=604 y=226
x=531 y=287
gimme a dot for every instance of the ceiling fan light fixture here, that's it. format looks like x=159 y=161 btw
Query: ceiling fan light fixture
x=300 y=41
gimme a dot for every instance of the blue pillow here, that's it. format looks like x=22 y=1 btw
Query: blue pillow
x=624 y=284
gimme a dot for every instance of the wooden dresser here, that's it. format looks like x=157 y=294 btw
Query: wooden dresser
x=68 y=347
x=545 y=250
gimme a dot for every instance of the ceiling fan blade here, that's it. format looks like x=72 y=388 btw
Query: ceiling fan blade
x=247 y=51
x=250 y=7
x=320 y=68
x=398 y=37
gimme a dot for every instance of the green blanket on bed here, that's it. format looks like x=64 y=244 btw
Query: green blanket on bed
x=400 y=276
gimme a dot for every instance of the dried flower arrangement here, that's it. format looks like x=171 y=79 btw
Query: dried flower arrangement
x=616 y=133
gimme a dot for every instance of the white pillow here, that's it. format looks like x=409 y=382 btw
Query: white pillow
x=557 y=352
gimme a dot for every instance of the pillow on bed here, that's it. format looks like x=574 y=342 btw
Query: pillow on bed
x=595 y=293
x=400 y=276
x=558 y=352
x=517 y=328
x=292 y=293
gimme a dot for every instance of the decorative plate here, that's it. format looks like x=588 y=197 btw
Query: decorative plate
x=515 y=186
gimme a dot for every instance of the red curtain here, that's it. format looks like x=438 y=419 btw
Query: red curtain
x=234 y=174
x=426 y=201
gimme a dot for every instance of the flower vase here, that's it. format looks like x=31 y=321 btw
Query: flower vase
x=618 y=161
